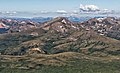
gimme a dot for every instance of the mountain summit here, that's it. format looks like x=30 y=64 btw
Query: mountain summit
x=60 y=24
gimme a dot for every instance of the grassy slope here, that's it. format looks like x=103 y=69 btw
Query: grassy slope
x=75 y=63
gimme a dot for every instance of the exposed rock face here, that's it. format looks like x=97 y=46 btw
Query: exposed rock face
x=60 y=24
x=17 y=26
x=103 y=26
x=35 y=50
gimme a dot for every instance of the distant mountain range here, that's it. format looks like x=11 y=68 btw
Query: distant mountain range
x=83 y=11
x=102 y=25
x=16 y=24
x=44 y=19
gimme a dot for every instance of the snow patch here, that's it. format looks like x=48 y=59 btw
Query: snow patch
x=64 y=21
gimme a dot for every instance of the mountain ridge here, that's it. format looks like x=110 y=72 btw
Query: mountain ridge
x=60 y=43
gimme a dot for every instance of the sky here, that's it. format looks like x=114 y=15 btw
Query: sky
x=54 y=5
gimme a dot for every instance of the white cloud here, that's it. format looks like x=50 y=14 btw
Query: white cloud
x=61 y=11
x=89 y=8
x=44 y=12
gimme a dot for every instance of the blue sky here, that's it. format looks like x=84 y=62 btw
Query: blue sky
x=53 y=5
